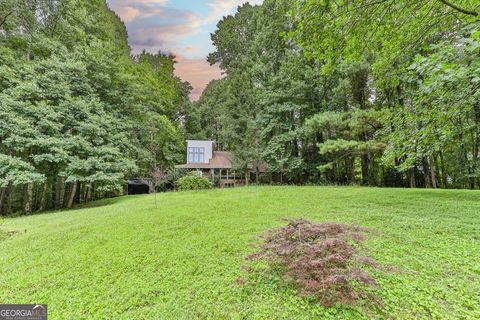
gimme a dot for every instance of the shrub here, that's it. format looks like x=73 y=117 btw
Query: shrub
x=321 y=260
x=193 y=182
x=166 y=180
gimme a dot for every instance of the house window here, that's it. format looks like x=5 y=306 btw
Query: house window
x=196 y=155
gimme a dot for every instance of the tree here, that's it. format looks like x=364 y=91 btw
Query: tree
x=78 y=113
x=371 y=92
x=442 y=141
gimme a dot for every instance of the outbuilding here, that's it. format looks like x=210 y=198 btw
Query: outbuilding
x=139 y=186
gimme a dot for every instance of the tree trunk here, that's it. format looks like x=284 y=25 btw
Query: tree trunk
x=59 y=192
x=81 y=193
x=426 y=173
x=476 y=143
x=72 y=194
x=43 y=197
x=246 y=177
x=78 y=194
x=89 y=194
x=411 y=177
x=365 y=175
x=3 y=193
x=372 y=178
x=28 y=197
x=444 y=171
x=470 y=180
x=352 y=171
x=433 y=176
x=8 y=201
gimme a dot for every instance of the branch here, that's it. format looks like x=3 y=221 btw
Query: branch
x=465 y=11
x=5 y=18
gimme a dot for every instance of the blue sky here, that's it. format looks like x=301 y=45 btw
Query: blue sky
x=182 y=27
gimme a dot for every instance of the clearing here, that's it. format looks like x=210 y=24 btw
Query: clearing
x=177 y=255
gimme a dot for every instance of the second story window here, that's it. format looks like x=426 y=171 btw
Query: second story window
x=196 y=155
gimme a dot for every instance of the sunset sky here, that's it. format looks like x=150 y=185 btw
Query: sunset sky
x=182 y=27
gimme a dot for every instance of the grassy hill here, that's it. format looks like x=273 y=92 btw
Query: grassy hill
x=177 y=255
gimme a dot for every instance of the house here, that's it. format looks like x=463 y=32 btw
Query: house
x=215 y=165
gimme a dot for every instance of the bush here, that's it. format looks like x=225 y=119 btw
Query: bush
x=320 y=259
x=193 y=182
x=166 y=180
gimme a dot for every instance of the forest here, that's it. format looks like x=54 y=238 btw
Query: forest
x=378 y=93
x=78 y=111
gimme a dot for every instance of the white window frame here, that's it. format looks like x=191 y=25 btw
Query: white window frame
x=196 y=155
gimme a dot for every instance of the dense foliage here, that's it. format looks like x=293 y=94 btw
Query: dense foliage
x=382 y=93
x=78 y=112
x=322 y=260
x=193 y=182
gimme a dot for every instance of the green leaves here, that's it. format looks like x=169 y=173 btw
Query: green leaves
x=393 y=30
x=442 y=114
x=14 y=172
x=338 y=146
x=76 y=107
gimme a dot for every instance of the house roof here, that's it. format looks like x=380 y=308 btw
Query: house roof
x=220 y=160
x=223 y=160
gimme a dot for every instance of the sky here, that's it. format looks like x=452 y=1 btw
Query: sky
x=181 y=27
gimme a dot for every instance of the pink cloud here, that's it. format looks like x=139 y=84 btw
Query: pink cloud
x=190 y=49
x=128 y=13
x=220 y=8
x=129 y=10
x=199 y=73
x=164 y=35
x=155 y=25
x=155 y=28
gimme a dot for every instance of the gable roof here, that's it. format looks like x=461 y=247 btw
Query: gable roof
x=220 y=160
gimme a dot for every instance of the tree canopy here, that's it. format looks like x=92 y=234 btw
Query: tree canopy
x=377 y=92
x=382 y=93
x=78 y=111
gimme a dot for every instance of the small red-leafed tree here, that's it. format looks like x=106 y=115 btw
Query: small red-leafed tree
x=322 y=260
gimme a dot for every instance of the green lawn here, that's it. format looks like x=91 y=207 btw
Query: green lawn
x=177 y=257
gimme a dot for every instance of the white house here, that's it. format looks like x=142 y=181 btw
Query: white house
x=199 y=151
x=216 y=165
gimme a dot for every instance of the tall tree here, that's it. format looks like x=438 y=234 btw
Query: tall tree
x=77 y=113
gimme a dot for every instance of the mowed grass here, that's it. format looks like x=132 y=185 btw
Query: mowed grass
x=177 y=255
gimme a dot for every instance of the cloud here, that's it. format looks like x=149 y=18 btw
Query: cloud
x=221 y=8
x=199 y=73
x=155 y=25
x=161 y=31
x=190 y=49
x=128 y=13
x=129 y=10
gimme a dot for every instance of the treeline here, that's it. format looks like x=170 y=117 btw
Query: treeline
x=78 y=113
x=380 y=93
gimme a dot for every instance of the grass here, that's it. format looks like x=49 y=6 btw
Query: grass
x=129 y=258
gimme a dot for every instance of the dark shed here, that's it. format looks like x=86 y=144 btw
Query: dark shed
x=139 y=186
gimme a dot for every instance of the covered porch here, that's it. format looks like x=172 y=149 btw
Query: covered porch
x=218 y=170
